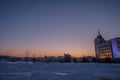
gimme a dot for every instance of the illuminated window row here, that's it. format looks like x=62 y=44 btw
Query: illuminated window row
x=105 y=55
x=104 y=52
x=105 y=48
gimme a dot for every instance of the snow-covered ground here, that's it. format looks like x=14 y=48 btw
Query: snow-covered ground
x=59 y=71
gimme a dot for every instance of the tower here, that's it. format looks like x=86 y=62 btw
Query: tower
x=99 y=39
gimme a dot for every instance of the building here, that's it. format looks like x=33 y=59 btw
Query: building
x=107 y=49
x=68 y=58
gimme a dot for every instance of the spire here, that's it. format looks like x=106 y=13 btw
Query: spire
x=98 y=32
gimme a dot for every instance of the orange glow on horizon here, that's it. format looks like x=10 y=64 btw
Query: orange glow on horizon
x=41 y=54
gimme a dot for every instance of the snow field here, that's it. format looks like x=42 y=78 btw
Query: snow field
x=58 y=71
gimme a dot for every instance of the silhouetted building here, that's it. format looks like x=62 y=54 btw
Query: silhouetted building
x=67 y=58
x=107 y=49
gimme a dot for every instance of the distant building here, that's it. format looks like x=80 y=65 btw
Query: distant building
x=67 y=58
x=107 y=49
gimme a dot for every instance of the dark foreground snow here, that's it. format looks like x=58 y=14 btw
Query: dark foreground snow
x=59 y=71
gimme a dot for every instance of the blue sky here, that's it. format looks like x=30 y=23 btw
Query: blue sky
x=54 y=27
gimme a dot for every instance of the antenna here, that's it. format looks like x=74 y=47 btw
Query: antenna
x=98 y=29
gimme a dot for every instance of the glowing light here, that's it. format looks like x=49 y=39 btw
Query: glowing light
x=114 y=48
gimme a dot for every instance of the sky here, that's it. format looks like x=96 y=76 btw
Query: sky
x=55 y=27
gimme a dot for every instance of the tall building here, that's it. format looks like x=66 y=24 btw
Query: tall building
x=107 y=49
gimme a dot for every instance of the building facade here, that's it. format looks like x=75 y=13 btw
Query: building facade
x=107 y=49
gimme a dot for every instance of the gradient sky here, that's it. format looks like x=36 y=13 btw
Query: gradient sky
x=55 y=27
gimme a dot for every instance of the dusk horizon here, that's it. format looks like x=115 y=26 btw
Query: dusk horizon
x=55 y=27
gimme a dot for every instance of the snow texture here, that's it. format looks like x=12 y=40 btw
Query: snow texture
x=58 y=71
